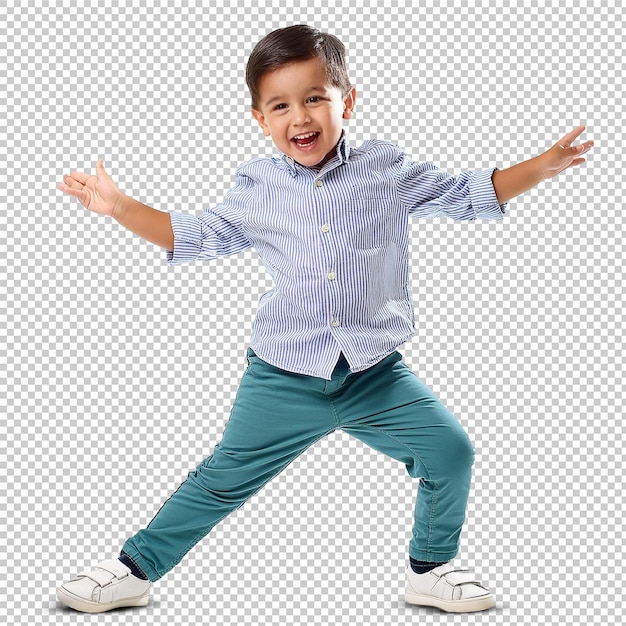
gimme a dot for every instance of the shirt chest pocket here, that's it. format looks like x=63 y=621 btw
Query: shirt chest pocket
x=371 y=222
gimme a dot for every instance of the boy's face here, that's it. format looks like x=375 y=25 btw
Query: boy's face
x=302 y=113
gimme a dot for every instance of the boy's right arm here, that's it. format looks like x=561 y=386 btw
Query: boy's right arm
x=154 y=226
x=100 y=194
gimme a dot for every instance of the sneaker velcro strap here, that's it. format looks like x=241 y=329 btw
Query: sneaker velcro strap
x=116 y=567
x=106 y=571
x=461 y=577
x=98 y=576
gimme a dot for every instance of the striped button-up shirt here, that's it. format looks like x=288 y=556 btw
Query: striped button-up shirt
x=336 y=242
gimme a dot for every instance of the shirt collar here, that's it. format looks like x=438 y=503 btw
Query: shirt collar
x=343 y=152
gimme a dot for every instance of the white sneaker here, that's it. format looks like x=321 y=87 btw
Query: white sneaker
x=109 y=585
x=448 y=588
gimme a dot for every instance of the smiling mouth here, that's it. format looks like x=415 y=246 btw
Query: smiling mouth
x=305 y=139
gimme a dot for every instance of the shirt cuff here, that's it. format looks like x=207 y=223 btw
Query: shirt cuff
x=483 y=196
x=187 y=239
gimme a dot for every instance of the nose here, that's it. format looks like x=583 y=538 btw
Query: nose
x=300 y=115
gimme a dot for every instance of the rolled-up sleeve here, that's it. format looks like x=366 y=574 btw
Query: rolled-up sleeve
x=483 y=195
x=429 y=192
x=187 y=238
x=217 y=232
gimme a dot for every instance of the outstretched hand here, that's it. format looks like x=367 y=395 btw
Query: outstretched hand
x=563 y=154
x=97 y=193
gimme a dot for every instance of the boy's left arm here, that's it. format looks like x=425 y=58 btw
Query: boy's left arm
x=515 y=180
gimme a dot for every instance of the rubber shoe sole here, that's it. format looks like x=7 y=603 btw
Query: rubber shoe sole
x=86 y=606
x=470 y=605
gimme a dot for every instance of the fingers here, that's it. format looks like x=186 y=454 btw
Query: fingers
x=71 y=181
x=74 y=177
x=568 y=140
x=74 y=184
x=76 y=180
x=82 y=177
x=100 y=168
x=72 y=191
x=569 y=151
x=580 y=149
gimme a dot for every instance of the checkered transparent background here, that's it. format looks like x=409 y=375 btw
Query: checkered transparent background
x=117 y=372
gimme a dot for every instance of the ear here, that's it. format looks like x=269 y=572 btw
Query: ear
x=260 y=118
x=348 y=104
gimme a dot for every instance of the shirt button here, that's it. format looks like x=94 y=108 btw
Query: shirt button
x=325 y=228
x=334 y=323
x=290 y=160
x=319 y=183
x=332 y=275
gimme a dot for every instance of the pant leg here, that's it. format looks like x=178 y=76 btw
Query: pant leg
x=275 y=417
x=392 y=411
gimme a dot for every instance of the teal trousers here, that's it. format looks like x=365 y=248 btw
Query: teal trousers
x=277 y=415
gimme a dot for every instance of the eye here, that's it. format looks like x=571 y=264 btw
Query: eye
x=280 y=107
x=315 y=99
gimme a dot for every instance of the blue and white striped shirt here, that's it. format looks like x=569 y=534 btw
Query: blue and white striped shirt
x=336 y=243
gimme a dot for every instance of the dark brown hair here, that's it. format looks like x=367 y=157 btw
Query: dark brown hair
x=297 y=43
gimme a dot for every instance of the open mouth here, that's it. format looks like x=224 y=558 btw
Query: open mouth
x=306 y=140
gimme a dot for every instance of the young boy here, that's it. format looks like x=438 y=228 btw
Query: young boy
x=330 y=222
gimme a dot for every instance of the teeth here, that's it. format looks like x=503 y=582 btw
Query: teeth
x=305 y=136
